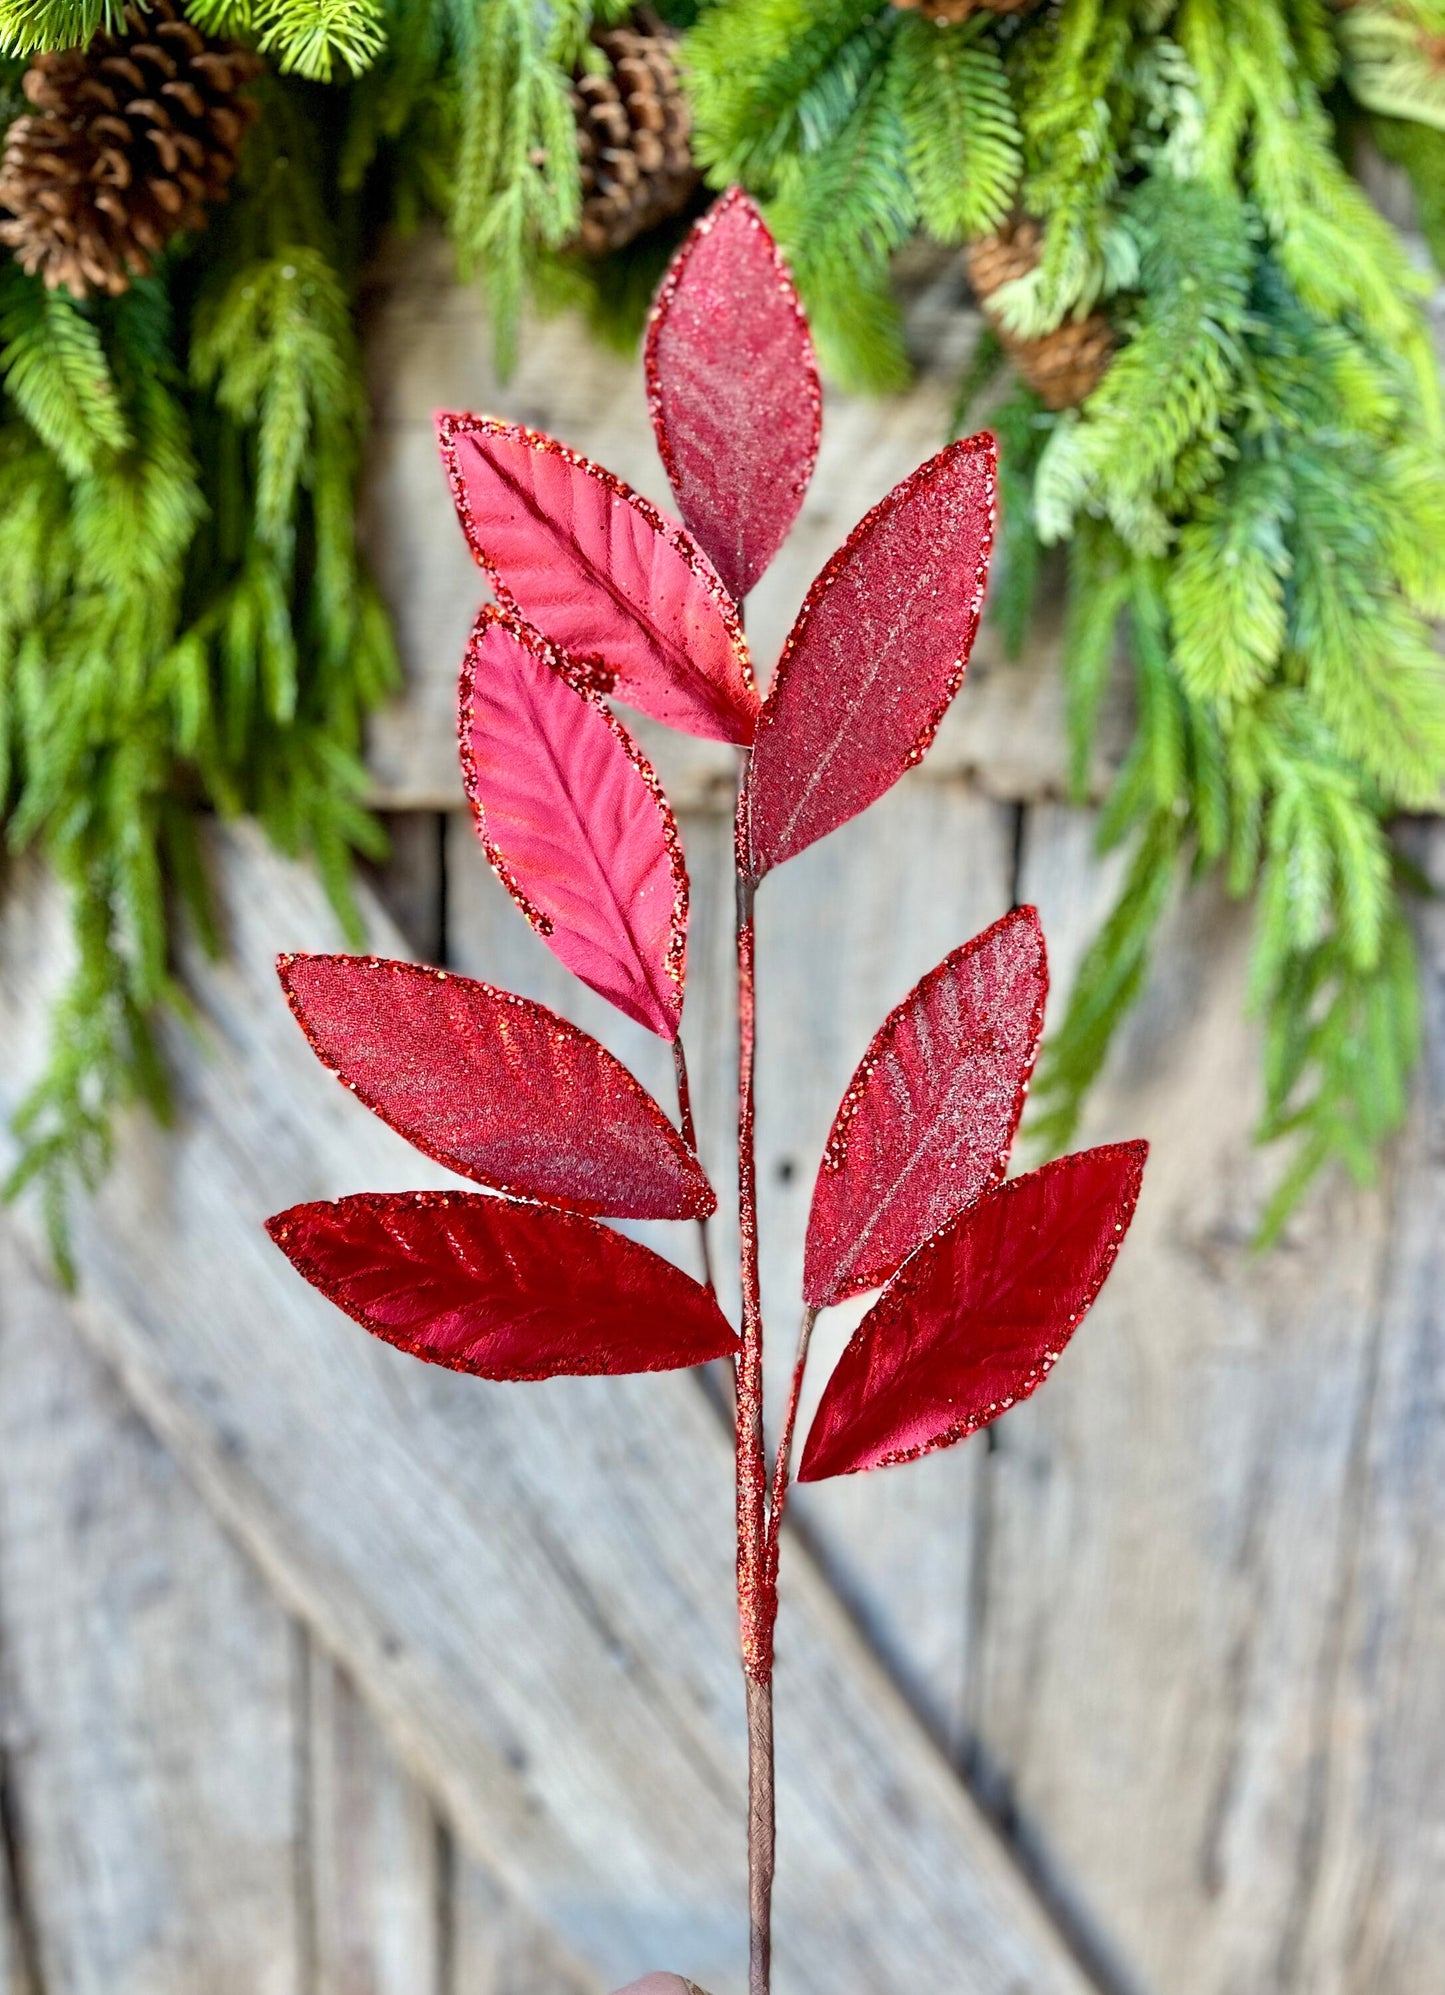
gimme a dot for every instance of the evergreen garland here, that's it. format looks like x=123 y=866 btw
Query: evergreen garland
x=1251 y=501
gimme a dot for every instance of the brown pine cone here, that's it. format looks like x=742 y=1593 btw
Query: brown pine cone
x=1063 y=367
x=130 y=140
x=633 y=131
x=949 y=13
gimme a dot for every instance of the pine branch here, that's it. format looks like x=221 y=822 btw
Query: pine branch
x=840 y=212
x=53 y=367
x=314 y=37
x=1171 y=385
x=770 y=79
x=1386 y=63
x=961 y=136
x=517 y=185
x=27 y=26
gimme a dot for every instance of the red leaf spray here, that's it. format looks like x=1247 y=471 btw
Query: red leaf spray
x=983 y=1282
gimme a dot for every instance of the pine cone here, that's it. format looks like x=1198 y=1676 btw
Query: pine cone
x=130 y=140
x=949 y=13
x=633 y=127
x=1063 y=367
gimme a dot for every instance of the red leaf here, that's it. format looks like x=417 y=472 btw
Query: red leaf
x=506 y=1291
x=877 y=653
x=974 y=1321
x=928 y=1119
x=733 y=388
x=495 y=1087
x=575 y=822
x=625 y=593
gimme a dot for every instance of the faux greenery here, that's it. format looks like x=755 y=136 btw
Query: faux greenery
x=1251 y=505
x=1252 y=500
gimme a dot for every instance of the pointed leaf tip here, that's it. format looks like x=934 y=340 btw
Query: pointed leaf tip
x=927 y=1121
x=503 y=1291
x=602 y=574
x=732 y=384
x=495 y=1087
x=574 y=821
x=876 y=656
x=973 y=1322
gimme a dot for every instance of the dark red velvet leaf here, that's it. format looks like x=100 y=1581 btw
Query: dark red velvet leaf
x=974 y=1321
x=929 y=1118
x=878 y=652
x=506 y=1291
x=627 y=594
x=495 y=1086
x=575 y=822
x=733 y=388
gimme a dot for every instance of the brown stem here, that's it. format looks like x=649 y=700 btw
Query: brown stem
x=757 y=1599
x=689 y=1136
x=762 y=1834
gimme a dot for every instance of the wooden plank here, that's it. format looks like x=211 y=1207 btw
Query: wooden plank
x=1167 y=1526
x=150 y=1726
x=487 y=937
x=428 y=348
x=410 y=884
x=9 y=1955
x=843 y=933
x=374 y=1853
x=498 y=1948
x=13 y=1978
x=1368 y=1915
x=532 y=1586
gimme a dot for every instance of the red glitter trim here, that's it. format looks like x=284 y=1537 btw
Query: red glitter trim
x=770 y=363
x=984 y=1307
x=656 y=1002
x=799 y=788
x=502 y=1291
x=663 y=675
x=452 y=1078
x=940 y=1092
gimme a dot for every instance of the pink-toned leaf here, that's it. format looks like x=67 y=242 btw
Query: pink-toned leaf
x=506 y=1291
x=733 y=388
x=928 y=1119
x=878 y=652
x=974 y=1321
x=574 y=821
x=495 y=1086
x=627 y=594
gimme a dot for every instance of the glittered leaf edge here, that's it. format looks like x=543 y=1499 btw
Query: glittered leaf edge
x=490 y=617
x=278 y=1224
x=854 y=1095
x=984 y=444
x=900 y=1290
x=704 y=1203
x=735 y=198
x=599 y=677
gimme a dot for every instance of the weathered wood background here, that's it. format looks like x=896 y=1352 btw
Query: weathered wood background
x=324 y=1675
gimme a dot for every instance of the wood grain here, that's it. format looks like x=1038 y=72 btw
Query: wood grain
x=496 y=1947
x=428 y=346
x=150 y=1725
x=1367 y=1914
x=14 y=1979
x=374 y=1848
x=844 y=932
x=532 y=1586
x=1168 y=1524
